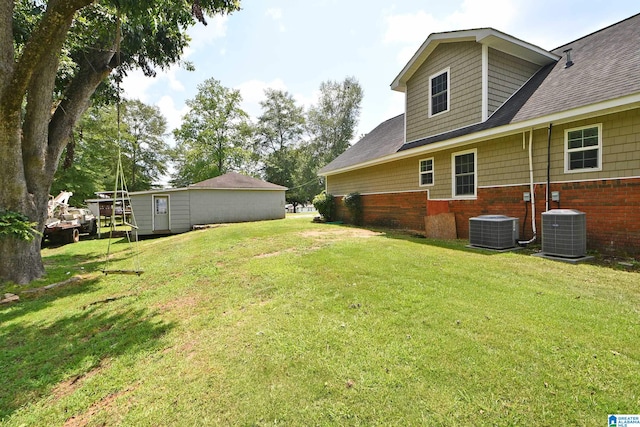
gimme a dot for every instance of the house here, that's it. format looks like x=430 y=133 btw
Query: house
x=232 y=197
x=496 y=125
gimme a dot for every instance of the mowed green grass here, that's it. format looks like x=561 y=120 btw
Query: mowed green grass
x=293 y=323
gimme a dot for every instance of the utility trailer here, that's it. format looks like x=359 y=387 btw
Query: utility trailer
x=64 y=223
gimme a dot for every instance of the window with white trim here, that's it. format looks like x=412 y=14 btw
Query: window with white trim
x=439 y=85
x=464 y=173
x=426 y=172
x=583 y=149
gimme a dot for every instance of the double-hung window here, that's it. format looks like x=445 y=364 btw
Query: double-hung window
x=426 y=172
x=464 y=176
x=439 y=84
x=583 y=149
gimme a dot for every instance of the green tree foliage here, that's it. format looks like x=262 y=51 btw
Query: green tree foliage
x=54 y=55
x=306 y=183
x=90 y=158
x=278 y=135
x=332 y=122
x=214 y=136
x=88 y=163
x=145 y=152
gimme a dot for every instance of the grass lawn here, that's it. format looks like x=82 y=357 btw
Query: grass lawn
x=293 y=323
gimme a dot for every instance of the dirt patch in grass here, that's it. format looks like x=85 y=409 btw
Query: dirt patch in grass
x=276 y=253
x=340 y=233
x=68 y=387
x=178 y=303
x=103 y=404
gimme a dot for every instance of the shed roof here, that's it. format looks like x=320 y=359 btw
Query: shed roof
x=236 y=181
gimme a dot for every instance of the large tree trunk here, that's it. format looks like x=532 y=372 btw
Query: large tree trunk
x=31 y=145
x=20 y=260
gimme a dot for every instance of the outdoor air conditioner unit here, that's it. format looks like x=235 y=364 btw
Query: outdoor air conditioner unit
x=564 y=233
x=493 y=231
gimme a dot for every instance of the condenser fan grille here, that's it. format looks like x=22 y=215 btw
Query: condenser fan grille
x=564 y=233
x=493 y=231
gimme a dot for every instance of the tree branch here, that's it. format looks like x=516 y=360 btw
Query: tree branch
x=36 y=121
x=6 y=43
x=46 y=39
x=92 y=71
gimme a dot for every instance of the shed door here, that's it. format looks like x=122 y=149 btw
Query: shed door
x=160 y=213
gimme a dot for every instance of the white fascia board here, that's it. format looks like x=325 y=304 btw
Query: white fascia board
x=516 y=47
x=159 y=191
x=429 y=45
x=486 y=36
x=624 y=103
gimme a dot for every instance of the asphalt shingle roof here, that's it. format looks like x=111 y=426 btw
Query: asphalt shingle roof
x=385 y=139
x=606 y=65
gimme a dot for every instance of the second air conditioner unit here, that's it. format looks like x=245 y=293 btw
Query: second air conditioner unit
x=564 y=233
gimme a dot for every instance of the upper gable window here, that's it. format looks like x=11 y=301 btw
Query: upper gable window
x=439 y=84
x=583 y=149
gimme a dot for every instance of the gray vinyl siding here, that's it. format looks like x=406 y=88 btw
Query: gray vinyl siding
x=507 y=74
x=192 y=206
x=142 y=206
x=222 y=206
x=464 y=59
x=179 y=213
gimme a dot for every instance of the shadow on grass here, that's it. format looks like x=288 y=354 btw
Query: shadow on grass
x=415 y=237
x=33 y=302
x=38 y=357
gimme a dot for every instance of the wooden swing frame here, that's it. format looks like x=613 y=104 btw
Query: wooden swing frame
x=120 y=187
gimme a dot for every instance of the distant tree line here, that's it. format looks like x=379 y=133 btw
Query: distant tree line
x=286 y=145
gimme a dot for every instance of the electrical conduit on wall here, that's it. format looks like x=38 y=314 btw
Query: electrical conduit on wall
x=531 y=190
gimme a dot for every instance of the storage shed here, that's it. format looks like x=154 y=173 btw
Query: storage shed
x=232 y=197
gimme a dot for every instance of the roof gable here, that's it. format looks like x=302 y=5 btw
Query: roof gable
x=486 y=36
x=236 y=181
x=604 y=77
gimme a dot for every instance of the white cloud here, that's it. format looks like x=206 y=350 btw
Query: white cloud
x=412 y=29
x=203 y=36
x=138 y=86
x=171 y=112
x=276 y=15
x=307 y=101
x=252 y=92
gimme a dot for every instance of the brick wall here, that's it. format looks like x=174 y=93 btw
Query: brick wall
x=398 y=210
x=612 y=208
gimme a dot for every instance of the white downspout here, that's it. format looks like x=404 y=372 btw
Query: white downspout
x=531 y=191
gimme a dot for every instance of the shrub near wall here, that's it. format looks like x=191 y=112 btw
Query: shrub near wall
x=353 y=203
x=323 y=203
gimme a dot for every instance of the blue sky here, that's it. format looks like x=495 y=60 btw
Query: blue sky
x=295 y=45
